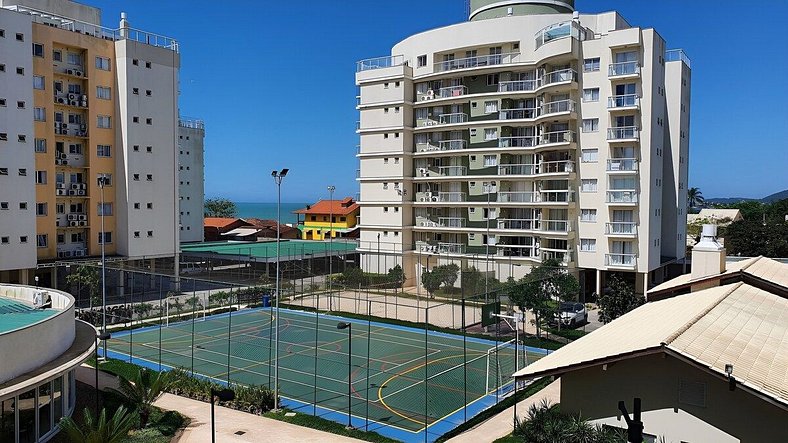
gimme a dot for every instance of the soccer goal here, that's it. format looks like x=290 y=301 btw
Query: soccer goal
x=501 y=364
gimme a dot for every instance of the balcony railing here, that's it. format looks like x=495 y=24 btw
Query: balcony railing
x=477 y=61
x=358 y=173
x=558 y=31
x=623 y=101
x=451 y=248
x=380 y=62
x=517 y=197
x=561 y=256
x=451 y=197
x=522 y=141
x=452 y=91
x=558 y=106
x=563 y=75
x=557 y=167
x=556 y=225
x=621 y=228
x=622 y=196
x=518 y=113
x=451 y=145
x=516 y=250
x=516 y=223
x=457 y=117
x=621 y=260
x=557 y=196
x=623 y=133
x=622 y=164
x=623 y=68
x=452 y=170
x=452 y=222
x=674 y=55
x=518 y=85
x=558 y=137
x=523 y=169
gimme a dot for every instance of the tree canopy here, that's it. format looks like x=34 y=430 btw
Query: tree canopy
x=220 y=207
x=619 y=300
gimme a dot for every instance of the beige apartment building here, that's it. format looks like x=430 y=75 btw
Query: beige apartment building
x=529 y=132
x=191 y=186
x=79 y=101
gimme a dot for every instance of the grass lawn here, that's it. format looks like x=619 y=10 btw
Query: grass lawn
x=321 y=424
x=509 y=439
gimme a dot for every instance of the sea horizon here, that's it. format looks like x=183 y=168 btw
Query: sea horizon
x=267 y=210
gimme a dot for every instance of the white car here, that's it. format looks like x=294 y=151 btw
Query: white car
x=572 y=314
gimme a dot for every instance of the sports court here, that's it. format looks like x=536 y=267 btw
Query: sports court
x=407 y=383
x=267 y=249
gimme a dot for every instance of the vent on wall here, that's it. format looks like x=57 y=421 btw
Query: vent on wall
x=692 y=393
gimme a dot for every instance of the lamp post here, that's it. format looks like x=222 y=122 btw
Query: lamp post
x=378 y=253
x=223 y=395
x=103 y=337
x=278 y=177
x=36 y=279
x=103 y=180
x=349 y=327
x=331 y=189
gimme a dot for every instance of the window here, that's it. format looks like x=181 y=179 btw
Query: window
x=492 y=79
x=41 y=209
x=590 y=124
x=490 y=133
x=150 y=233
x=148 y=92
x=590 y=155
x=105 y=209
x=135 y=91
x=148 y=65
x=104 y=236
x=74 y=58
x=102 y=63
x=23 y=239
x=57 y=56
x=103 y=151
x=149 y=205
x=588 y=185
x=20 y=70
x=136 y=205
x=39 y=114
x=2 y=67
x=107 y=178
x=38 y=50
x=591 y=64
x=4 y=205
x=3 y=136
x=588 y=215
x=23 y=172
x=4 y=240
x=38 y=82
x=148 y=121
x=23 y=206
x=149 y=177
x=591 y=95
x=135 y=119
x=588 y=244
x=75 y=148
x=74 y=88
x=20 y=105
x=2 y=102
x=2 y=33
x=136 y=234
x=41 y=240
x=421 y=61
x=20 y=37
x=41 y=145
x=103 y=92
x=41 y=177
x=490 y=160
x=135 y=62
x=136 y=177
x=136 y=148
x=104 y=122
x=3 y=171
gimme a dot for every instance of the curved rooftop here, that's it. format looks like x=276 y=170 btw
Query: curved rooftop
x=15 y=314
x=484 y=9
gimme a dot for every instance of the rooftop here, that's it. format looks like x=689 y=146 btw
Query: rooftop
x=15 y=314
x=337 y=207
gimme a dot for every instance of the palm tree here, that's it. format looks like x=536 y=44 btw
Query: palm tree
x=143 y=389
x=694 y=197
x=101 y=430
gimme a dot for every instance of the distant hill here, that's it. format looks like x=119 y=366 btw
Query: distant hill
x=775 y=197
x=768 y=199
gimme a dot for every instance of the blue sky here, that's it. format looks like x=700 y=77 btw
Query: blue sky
x=274 y=83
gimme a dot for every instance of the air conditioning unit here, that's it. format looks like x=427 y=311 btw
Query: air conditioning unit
x=422 y=171
x=84 y=104
x=72 y=192
x=60 y=185
x=83 y=217
x=65 y=162
x=422 y=199
x=63 y=125
x=74 y=185
x=61 y=254
x=58 y=162
x=61 y=192
x=434 y=199
x=81 y=192
x=428 y=195
x=61 y=100
x=84 y=98
x=78 y=73
x=83 y=127
x=72 y=217
x=70 y=71
x=73 y=102
x=67 y=253
x=73 y=223
x=72 y=96
x=83 y=223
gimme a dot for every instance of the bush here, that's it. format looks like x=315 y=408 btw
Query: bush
x=252 y=399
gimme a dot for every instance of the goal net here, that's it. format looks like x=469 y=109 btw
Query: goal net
x=501 y=365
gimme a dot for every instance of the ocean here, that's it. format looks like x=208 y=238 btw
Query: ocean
x=268 y=210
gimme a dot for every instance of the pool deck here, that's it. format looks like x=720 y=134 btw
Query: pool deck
x=16 y=315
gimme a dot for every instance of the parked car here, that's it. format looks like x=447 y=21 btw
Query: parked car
x=572 y=314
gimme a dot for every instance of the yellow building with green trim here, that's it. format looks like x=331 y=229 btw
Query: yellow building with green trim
x=337 y=217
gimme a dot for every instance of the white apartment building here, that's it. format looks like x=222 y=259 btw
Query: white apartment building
x=79 y=101
x=191 y=168
x=529 y=132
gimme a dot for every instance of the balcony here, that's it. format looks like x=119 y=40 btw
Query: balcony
x=558 y=107
x=452 y=145
x=557 y=196
x=452 y=171
x=477 y=61
x=556 y=225
x=379 y=62
x=622 y=196
x=560 y=76
x=517 y=197
x=558 y=137
x=621 y=228
x=560 y=255
x=457 y=117
x=452 y=91
x=358 y=173
x=622 y=165
x=452 y=222
x=623 y=102
x=515 y=223
x=518 y=113
x=452 y=197
x=523 y=169
x=558 y=31
x=624 y=69
x=518 y=86
x=525 y=251
x=450 y=248
x=621 y=260
x=557 y=167
x=522 y=141
x=623 y=133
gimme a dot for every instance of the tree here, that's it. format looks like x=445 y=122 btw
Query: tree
x=546 y=423
x=619 y=300
x=694 y=197
x=99 y=431
x=352 y=277
x=432 y=281
x=448 y=274
x=396 y=275
x=144 y=388
x=86 y=276
x=220 y=207
x=751 y=238
x=541 y=289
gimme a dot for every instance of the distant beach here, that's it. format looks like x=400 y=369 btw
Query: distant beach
x=268 y=210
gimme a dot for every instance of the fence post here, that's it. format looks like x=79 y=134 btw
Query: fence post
x=229 y=331
x=161 y=312
x=426 y=368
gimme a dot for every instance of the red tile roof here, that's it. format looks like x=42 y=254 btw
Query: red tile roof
x=338 y=207
x=219 y=222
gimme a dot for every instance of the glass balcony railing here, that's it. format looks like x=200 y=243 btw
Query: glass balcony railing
x=451 y=248
x=674 y=55
x=560 y=76
x=477 y=61
x=380 y=62
x=451 y=145
x=518 y=85
x=623 y=101
x=452 y=222
x=518 y=113
x=623 y=68
x=557 y=196
x=517 y=197
x=514 y=223
x=558 y=137
x=556 y=225
x=457 y=117
x=558 y=107
x=557 y=167
x=622 y=196
x=558 y=31
x=452 y=91
x=452 y=197
x=524 y=169
x=623 y=133
x=561 y=256
x=621 y=228
x=622 y=164
x=523 y=141
x=621 y=260
x=452 y=171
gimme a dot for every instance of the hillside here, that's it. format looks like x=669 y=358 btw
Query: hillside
x=768 y=199
x=775 y=197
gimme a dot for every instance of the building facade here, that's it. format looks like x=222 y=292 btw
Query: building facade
x=191 y=186
x=82 y=101
x=530 y=132
x=328 y=219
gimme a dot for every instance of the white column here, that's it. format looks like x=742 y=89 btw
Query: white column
x=598 y=282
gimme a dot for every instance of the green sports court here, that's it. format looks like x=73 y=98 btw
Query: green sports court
x=267 y=249
x=407 y=383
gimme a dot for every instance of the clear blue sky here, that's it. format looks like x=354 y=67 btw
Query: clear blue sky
x=274 y=83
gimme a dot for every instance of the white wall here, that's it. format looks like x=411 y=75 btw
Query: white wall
x=191 y=182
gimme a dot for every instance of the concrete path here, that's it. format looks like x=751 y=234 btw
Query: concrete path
x=501 y=424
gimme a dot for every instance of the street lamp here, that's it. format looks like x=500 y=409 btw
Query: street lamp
x=36 y=279
x=378 y=253
x=331 y=189
x=349 y=327
x=278 y=177
x=223 y=395
x=103 y=337
x=103 y=180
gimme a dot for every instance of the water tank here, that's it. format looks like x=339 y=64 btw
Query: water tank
x=484 y=9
